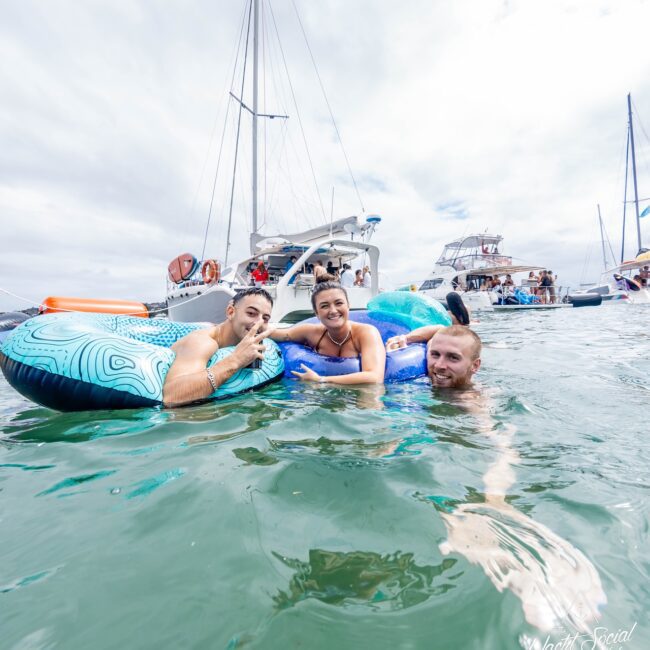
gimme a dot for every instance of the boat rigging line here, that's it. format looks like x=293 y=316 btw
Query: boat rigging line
x=329 y=108
x=604 y=236
x=256 y=35
x=295 y=103
x=636 y=191
x=223 y=135
x=627 y=163
x=234 y=171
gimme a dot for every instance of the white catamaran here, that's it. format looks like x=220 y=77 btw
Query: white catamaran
x=199 y=290
x=627 y=281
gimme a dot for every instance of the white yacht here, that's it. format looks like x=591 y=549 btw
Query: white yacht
x=345 y=241
x=199 y=290
x=466 y=263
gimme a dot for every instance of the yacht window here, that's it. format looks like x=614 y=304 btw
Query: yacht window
x=431 y=284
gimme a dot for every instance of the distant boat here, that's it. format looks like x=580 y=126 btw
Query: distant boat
x=618 y=283
x=466 y=264
x=203 y=290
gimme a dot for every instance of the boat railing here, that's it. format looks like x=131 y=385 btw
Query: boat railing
x=537 y=294
x=473 y=261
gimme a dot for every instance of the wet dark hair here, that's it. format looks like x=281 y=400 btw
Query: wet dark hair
x=252 y=291
x=457 y=308
x=326 y=286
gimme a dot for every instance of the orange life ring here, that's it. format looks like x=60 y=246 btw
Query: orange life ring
x=211 y=271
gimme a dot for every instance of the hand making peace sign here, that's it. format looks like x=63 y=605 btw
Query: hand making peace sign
x=251 y=347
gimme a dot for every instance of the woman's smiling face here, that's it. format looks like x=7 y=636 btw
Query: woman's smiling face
x=332 y=308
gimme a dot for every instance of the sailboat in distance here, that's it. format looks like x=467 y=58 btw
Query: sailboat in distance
x=628 y=281
x=200 y=288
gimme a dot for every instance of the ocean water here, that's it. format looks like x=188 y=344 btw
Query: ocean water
x=319 y=517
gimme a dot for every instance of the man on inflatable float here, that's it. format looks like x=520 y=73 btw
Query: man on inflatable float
x=245 y=327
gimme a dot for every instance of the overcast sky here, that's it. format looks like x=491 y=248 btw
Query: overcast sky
x=457 y=117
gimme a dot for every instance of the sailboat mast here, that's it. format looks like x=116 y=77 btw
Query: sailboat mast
x=636 y=192
x=255 y=85
x=627 y=169
x=602 y=238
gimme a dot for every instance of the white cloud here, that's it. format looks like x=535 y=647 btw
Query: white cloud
x=456 y=117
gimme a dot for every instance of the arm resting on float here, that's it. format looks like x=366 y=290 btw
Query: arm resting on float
x=294 y=334
x=188 y=379
x=423 y=334
x=419 y=335
x=193 y=386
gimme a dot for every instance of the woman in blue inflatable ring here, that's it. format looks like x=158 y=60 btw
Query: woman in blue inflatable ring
x=337 y=336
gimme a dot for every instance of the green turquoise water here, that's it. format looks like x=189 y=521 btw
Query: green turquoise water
x=312 y=517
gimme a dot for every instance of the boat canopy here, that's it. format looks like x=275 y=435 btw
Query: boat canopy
x=475 y=241
x=632 y=265
x=473 y=251
x=499 y=270
x=348 y=225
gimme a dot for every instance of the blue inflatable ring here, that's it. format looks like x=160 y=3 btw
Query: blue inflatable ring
x=78 y=362
x=392 y=313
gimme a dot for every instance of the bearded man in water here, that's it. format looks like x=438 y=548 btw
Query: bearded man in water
x=453 y=357
x=453 y=353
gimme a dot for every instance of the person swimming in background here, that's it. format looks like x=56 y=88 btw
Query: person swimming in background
x=337 y=336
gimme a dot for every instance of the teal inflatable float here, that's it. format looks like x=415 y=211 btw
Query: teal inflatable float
x=77 y=362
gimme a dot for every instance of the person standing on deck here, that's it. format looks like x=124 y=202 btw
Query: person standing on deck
x=260 y=275
x=347 y=281
x=319 y=271
x=551 y=286
x=288 y=266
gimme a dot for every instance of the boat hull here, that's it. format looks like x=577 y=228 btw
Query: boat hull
x=291 y=304
x=475 y=300
x=199 y=304
x=532 y=307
